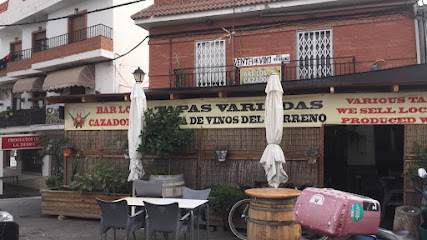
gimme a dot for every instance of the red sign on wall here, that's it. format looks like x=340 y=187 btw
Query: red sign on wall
x=20 y=142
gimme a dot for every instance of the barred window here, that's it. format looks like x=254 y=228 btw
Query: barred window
x=314 y=54
x=210 y=63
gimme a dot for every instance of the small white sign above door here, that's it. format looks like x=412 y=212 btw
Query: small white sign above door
x=261 y=60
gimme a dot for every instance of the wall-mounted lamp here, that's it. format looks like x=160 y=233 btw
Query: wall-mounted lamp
x=16 y=38
x=76 y=10
x=139 y=75
x=377 y=65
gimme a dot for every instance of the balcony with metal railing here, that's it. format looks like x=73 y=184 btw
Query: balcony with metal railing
x=19 y=60
x=25 y=117
x=223 y=76
x=90 y=44
x=81 y=42
x=20 y=55
x=99 y=30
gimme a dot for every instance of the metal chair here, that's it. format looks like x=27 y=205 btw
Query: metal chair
x=152 y=188
x=115 y=215
x=165 y=219
x=203 y=211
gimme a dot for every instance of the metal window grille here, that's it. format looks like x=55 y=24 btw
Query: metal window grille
x=314 y=54
x=210 y=63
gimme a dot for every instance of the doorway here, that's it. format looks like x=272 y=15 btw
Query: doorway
x=366 y=160
x=77 y=25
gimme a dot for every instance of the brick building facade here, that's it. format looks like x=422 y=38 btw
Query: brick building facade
x=203 y=49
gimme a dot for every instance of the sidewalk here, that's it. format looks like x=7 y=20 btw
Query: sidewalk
x=33 y=225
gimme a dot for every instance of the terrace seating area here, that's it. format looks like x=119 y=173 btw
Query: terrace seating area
x=169 y=216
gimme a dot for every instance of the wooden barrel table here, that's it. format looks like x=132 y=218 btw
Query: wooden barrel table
x=172 y=185
x=271 y=214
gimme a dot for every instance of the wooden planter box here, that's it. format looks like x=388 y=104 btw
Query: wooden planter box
x=73 y=204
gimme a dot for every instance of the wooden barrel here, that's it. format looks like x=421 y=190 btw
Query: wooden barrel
x=271 y=214
x=172 y=184
x=407 y=218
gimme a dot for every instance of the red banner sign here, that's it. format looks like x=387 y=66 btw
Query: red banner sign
x=21 y=142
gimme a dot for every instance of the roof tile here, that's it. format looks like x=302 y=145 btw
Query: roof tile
x=193 y=6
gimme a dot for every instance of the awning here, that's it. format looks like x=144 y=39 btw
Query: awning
x=7 y=86
x=28 y=84
x=83 y=76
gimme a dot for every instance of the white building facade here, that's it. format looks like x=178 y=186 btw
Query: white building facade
x=59 y=48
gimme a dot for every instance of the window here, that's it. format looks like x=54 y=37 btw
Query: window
x=16 y=104
x=9 y=158
x=314 y=54
x=39 y=41
x=16 y=50
x=210 y=63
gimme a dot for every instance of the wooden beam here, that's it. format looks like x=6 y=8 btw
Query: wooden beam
x=55 y=100
x=89 y=99
x=175 y=96
x=332 y=89
x=222 y=94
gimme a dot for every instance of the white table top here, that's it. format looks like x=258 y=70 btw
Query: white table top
x=182 y=203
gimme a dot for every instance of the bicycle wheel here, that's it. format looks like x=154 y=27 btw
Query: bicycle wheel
x=237 y=218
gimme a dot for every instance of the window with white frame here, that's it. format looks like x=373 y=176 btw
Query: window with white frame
x=210 y=70
x=314 y=54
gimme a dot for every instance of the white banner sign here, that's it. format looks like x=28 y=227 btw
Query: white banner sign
x=261 y=60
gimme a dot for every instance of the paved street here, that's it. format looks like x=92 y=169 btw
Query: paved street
x=33 y=225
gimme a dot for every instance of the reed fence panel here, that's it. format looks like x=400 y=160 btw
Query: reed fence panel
x=197 y=160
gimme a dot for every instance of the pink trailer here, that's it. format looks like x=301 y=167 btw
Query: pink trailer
x=335 y=213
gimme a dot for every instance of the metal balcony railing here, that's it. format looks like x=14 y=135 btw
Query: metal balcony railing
x=292 y=70
x=20 y=55
x=205 y=77
x=318 y=68
x=24 y=117
x=77 y=36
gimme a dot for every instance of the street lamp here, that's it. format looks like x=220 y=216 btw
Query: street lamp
x=139 y=75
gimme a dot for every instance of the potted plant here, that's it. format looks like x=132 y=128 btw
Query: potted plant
x=179 y=73
x=221 y=152
x=163 y=136
x=311 y=154
x=68 y=151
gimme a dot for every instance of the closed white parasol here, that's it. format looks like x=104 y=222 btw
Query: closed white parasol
x=273 y=157
x=136 y=124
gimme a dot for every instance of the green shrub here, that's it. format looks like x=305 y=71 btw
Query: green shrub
x=82 y=183
x=162 y=134
x=106 y=178
x=420 y=153
x=220 y=196
x=54 y=181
